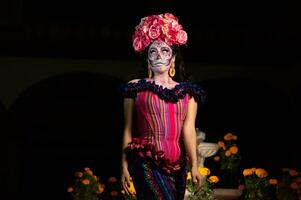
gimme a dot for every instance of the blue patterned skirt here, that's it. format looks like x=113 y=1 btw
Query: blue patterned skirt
x=153 y=183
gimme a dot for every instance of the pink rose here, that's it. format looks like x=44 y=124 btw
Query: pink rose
x=154 y=31
x=137 y=44
x=138 y=33
x=140 y=40
x=176 y=26
x=143 y=20
x=151 y=21
x=164 y=27
x=146 y=21
x=170 y=17
x=145 y=28
x=182 y=37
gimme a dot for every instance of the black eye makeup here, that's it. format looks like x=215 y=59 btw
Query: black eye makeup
x=165 y=50
x=151 y=51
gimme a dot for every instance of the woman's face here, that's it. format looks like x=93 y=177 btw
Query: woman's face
x=160 y=56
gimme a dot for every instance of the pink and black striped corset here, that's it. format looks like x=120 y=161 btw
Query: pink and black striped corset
x=160 y=122
x=160 y=114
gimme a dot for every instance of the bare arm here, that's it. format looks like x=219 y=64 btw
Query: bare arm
x=127 y=138
x=189 y=134
x=128 y=105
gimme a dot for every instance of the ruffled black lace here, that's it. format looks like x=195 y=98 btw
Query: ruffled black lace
x=130 y=90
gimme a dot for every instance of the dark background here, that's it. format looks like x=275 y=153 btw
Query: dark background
x=222 y=32
x=70 y=119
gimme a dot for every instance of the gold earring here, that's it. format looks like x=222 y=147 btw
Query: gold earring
x=172 y=70
x=150 y=73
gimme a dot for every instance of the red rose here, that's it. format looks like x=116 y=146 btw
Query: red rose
x=171 y=36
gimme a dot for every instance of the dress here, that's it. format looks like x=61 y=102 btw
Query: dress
x=157 y=160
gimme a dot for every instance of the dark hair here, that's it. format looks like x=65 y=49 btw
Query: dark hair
x=180 y=75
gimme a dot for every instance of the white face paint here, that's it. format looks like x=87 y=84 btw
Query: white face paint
x=159 y=56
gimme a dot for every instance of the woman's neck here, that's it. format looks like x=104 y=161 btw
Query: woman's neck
x=163 y=80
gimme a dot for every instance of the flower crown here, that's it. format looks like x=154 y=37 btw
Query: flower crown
x=164 y=27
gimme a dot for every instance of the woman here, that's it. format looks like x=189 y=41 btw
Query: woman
x=164 y=112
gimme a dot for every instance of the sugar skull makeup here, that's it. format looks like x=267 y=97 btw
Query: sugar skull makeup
x=159 y=54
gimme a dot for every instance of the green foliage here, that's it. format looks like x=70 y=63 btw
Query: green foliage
x=289 y=186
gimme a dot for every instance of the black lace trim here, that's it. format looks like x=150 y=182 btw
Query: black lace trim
x=130 y=90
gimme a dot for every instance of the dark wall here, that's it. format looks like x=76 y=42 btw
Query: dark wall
x=65 y=123
x=263 y=117
x=225 y=33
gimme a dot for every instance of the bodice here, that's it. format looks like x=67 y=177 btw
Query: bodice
x=160 y=114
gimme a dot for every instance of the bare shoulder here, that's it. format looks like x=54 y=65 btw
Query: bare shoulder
x=134 y=81
x=175 y=83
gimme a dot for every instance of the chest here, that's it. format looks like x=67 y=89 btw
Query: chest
x=151 y=103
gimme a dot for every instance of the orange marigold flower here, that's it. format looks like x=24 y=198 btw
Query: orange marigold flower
x=189 y=177
x=247 y=172
x=241 y=187
x=86 y=168
x=112 y=179
x=294 y=185
x=89 y=172
x=228 y=137
x=261 y=173
x=234 y=149
x=273 y=181
x=85 y=182
x=132 y=189
x=228 y=153
x=213 y=179
x=253 y=169
x=204 y=171
x=78 y=174
x=293 y=172
x=221 y=144
x=114 y=193
x=217 y=158
x=70 y=189
x=100 y=188
x=95 y=178
x=234 y=137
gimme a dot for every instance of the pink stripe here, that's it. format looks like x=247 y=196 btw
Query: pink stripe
x=172 y=130
x=160 y=122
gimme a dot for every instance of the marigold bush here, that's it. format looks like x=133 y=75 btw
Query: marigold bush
x=206 y=192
